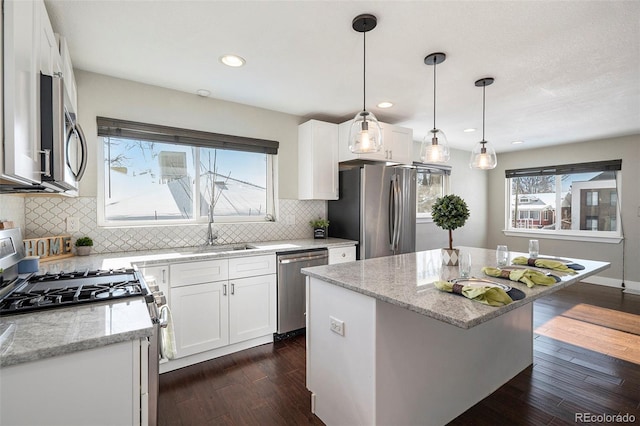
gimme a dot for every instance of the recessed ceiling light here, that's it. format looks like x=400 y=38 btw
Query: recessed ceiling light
x=469 y=130
x=203 y=92
x=517 y=142
x=232 y=60
x=385 y=104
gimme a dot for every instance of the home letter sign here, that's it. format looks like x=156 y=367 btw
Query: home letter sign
x=49 y=248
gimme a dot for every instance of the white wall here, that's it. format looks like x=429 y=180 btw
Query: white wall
x=105 y=96
x=625 y=148
x=100 y=95
x=471 y=185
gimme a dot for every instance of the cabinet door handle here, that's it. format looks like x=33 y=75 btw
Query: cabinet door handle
x=344 y=254
x=47 y=162
x=164 y=281
x=224 y=289
x=233 y=289
x=390 y=155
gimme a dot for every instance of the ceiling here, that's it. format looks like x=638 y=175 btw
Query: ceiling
x=565 y=71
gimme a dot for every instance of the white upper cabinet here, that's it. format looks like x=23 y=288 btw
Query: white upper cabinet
x=30 y=48
x=399 y=141
x=21 y=146
x=70 y=87
x=49 y=52
x=397 y=145
x=317 y=161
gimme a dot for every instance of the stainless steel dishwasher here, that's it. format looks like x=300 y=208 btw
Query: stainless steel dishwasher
x=291 y=287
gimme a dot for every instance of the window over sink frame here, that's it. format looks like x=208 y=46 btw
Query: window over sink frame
x=155 y=175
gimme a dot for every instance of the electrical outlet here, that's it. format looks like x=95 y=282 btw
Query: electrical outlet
x=337 y=326
x=73 y=224
x=290 y=219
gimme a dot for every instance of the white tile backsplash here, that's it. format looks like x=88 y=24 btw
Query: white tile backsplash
x=12 y=208
x=46 y=216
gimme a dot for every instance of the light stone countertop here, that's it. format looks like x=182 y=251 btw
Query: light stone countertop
x=37 y=335
x=44 y=334
x=185 y=254
x=407 y=280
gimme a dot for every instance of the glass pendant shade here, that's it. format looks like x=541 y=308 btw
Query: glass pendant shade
x=483 y=157
x=435 y=147
x=365 y=135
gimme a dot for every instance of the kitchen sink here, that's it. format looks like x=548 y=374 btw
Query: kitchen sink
x=223 y=248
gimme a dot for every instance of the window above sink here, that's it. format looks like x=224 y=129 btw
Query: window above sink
x=156 y=175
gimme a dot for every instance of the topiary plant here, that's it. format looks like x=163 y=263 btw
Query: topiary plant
x=450 y=212
x=84 y=242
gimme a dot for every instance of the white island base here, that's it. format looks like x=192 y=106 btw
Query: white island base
x=393 y=366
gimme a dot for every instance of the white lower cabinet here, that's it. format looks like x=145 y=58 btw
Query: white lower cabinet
x=252 y=307
x=219 y=303
x=200 y=317
x=342 y=255
x=161 y=276
x=100 y=386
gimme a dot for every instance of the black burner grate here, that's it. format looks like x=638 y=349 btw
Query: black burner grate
x=67 y=289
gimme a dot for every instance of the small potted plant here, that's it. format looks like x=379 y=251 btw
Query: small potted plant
x=320 y=227
x=450 y=212
x=83 y=246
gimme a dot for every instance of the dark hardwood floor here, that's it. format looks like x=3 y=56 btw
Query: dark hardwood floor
x=572 y=374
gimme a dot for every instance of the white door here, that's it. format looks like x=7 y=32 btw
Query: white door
x=398 y=144
x=21 y=95
x=200 y=317
x=252 y=307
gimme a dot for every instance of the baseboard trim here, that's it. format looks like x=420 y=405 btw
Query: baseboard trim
x=186 y=361
x=632 y=287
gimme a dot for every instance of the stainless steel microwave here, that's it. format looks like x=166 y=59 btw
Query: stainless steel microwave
x=62 y=144
x=61 y=138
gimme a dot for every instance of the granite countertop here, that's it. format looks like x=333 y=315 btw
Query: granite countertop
x=44 y=334
x=186 y=254
x=32 y=336
x=407 y=280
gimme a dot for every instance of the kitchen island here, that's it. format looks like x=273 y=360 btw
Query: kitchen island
x=384 y=346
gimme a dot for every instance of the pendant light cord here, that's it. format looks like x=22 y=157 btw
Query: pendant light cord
x=484 y=86
x=364 y=71
x=435 y=64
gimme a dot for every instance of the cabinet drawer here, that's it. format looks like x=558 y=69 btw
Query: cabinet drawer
x=342 y=255
x=199 y=272
x=252 y=266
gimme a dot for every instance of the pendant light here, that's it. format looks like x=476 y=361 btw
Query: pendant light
x=435 y=147
x=365 y=135
x=483 y=157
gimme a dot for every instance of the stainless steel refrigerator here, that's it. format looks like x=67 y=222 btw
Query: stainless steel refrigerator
x=377 y=207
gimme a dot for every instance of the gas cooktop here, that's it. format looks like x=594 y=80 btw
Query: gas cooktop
x=65 y=289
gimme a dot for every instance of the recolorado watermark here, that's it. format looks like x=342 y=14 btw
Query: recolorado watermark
x=604 y=418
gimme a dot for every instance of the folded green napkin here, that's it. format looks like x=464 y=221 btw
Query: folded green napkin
x=544 y=263
x=527 y=276
x=493 y=296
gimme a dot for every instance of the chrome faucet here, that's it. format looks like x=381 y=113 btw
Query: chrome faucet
x=212 y=236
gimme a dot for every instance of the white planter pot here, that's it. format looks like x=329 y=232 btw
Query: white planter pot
x=83 y=250
x=450 y=257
